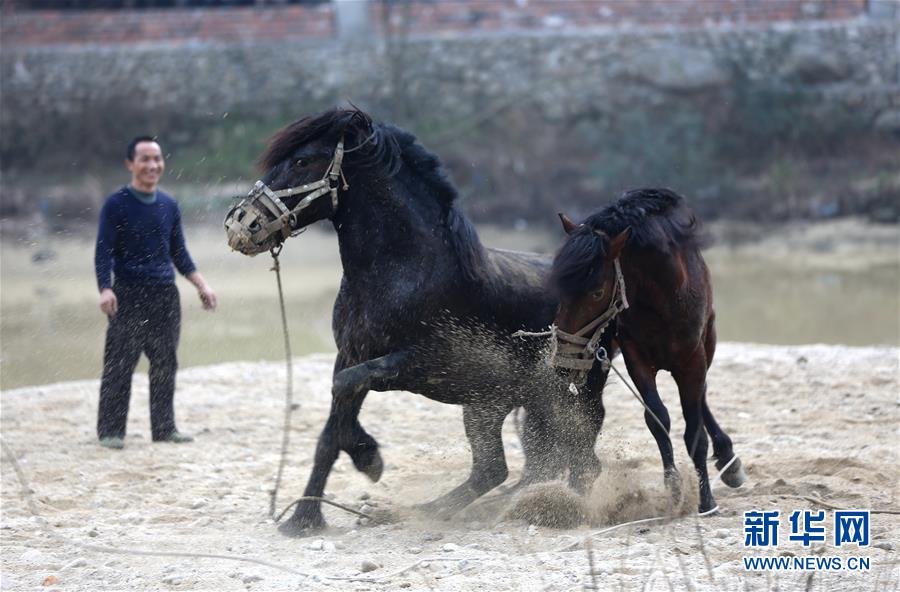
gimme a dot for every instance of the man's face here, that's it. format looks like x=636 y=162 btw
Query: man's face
x=147 y=166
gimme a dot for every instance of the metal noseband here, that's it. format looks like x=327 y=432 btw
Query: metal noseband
x=262 y=221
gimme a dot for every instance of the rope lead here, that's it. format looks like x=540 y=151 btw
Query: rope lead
x=289 y=391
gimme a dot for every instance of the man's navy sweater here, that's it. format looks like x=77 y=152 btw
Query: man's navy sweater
x=138 y=243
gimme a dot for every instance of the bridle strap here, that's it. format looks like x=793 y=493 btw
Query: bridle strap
x=284 y=216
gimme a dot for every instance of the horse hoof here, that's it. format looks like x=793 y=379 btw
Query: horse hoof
x=440 y=508
x=303 y=526
x=734 y=475
x=440 y=512
x=433 y=511
x=446 y=514
x=366 y=458
x=582 y=476
x=672 y=480
x=701 y=511
x=374 y=468
x=581 y=484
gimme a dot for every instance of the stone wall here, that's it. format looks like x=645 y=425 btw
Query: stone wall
x=662 y=102
x=564 y=74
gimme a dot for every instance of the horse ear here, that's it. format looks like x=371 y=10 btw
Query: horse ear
x=347 y=119
x=617 y=243
x=567 y=223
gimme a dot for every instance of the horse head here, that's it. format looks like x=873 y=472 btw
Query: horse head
x=305 y=172
x=588 y=281
x=584 y=274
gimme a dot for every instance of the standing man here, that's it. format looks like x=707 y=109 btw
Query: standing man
x=139 y=239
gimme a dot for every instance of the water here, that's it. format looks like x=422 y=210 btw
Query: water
x=781 y=290
x=769 y=303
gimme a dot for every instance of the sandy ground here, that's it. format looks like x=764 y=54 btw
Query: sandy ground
x=816 y=421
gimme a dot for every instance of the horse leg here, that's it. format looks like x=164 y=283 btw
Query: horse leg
x=376 y=374
x=483 y=424
x=539 y=445
x=342 y=431
x=351 y=385
x=585 y=420
x=643 y=375
x=691 y=380
x=733 y=475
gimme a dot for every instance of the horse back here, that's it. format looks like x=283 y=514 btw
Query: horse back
x=515 y=290
x=508 y=294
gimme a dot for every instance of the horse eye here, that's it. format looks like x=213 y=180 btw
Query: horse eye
x=598 y=294
x=302 y=162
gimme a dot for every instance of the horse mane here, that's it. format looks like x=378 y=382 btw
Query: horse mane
x=383 y=149
x=658 y=219
x=357 y=128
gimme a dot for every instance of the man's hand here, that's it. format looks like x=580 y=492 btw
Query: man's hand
x=207 y=296
x=109 y=304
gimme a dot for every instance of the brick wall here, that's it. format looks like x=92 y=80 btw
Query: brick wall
x=101 y=27
x=54 y=27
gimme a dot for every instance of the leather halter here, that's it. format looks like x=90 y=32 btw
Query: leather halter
x=577 y=351
x=252 y=224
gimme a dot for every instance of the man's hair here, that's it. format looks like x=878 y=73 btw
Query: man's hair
x=129 y=152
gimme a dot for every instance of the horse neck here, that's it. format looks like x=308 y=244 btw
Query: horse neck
x=378 y=220
x=650 y=275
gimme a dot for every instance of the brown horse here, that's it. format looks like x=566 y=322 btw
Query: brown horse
x=634 y=270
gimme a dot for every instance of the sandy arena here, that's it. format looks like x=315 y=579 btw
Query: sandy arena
x=809 y=422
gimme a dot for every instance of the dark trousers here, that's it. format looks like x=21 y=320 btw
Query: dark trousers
x=148 y=321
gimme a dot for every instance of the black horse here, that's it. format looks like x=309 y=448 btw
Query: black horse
x=416 y=277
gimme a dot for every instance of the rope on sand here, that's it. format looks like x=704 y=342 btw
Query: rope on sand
x=313 y=498
x=590 y=536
